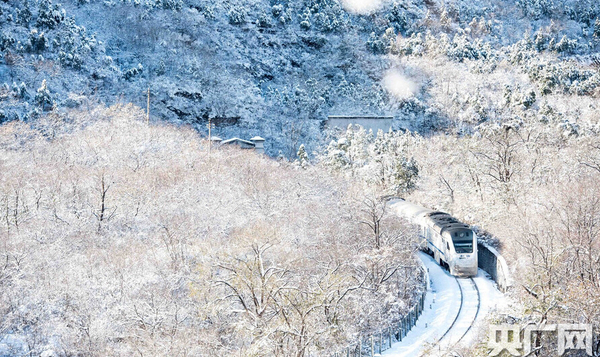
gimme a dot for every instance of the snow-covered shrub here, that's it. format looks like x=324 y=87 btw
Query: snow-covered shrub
x=537 y=8
x=461 y=47
x=375 y=44
x=50 y=15
x=24 y=14
x=328 y=15
x=302 y=157
x=264 y=20
x=133 y=72
x=305 y=24
x=528 y=99
x=541 y=41
x=6 y=41
x=397 y=17
x=237 y=15
x=277 y=10
x=37 y=41
x=567 y=128
x=566 y=45
x=584 y=11
x=414 y=45
x=389 y=40
x=20 y=91
x=172 y=4
x=161 y=69
x=72 y=60
x=381 y=160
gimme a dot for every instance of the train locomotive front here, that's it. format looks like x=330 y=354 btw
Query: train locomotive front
x=452 y=244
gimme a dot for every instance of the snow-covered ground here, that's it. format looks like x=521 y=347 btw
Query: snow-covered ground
x=442 y=305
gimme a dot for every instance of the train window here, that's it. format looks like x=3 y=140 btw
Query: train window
x=463 y=247
x=463 y=241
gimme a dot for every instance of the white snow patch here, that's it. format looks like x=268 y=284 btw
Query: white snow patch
x=362 y=7
x=398 y=84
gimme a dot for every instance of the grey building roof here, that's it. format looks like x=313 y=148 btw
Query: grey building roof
x=358 y=117
x=234 y=140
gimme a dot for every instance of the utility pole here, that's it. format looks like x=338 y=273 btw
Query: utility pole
x=209 y=137
x=148 y=108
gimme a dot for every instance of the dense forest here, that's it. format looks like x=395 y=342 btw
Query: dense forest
x=121 y=239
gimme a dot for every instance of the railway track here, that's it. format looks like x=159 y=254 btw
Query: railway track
x=470 y=304
x=455 y=310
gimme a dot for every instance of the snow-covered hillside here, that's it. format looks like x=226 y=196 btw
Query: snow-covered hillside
x=278 y=67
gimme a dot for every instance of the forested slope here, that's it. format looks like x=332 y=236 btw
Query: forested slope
x=119 y=238
x=277 y=68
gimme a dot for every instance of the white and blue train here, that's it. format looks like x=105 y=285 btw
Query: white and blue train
x=452 y=244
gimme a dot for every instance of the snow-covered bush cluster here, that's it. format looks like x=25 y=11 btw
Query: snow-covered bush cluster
x=118 y=238
x=381 y=160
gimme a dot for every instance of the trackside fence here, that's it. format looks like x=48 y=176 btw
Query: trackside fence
x=374 y=344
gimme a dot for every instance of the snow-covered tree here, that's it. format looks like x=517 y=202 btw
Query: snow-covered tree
x=43 y=97
x=302 y=157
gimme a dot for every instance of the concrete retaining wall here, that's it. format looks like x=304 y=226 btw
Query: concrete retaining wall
x=494 y=264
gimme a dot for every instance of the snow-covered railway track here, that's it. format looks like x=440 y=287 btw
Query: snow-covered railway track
x=477 y=310
x=454 y=311
x=462 y=299
x=470 y=304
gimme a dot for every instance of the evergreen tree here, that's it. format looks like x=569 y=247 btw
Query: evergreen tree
x=302 y=157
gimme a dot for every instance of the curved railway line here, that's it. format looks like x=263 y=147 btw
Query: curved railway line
x=455 y=311
x=465 y=318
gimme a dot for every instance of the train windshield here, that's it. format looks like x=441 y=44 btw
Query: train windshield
x=463 y=242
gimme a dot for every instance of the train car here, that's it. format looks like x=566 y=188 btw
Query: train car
x=452 y=244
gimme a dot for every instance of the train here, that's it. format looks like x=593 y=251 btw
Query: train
x=452 y=243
